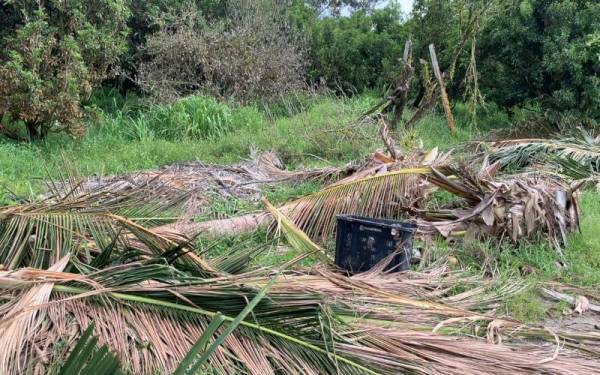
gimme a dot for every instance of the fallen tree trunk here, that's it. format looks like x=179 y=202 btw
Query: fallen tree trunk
x=235 y=225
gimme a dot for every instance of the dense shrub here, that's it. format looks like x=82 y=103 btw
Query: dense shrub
x=250 y=55
x=52 y=54
x=545 y=52
x=151 y=16
x=353 y=53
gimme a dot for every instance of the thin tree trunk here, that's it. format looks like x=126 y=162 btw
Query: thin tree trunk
x=442 y=87
x=401 y=91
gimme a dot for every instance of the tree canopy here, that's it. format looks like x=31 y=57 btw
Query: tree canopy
x=543 y=54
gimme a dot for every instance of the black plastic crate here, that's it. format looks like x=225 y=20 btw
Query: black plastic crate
x=362 y=242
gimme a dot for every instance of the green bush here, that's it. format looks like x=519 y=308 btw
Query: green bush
x=52 y=54
x=546 y=52
x=353 y=53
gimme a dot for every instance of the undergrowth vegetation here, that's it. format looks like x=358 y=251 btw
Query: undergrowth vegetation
x=131 y=135
x=235 y=134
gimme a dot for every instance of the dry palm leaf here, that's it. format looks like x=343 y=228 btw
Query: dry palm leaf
x=517 y=207
x=20 y=323
x=383 y=190
x=95 y=226
x=380 y=195
x=151 y=325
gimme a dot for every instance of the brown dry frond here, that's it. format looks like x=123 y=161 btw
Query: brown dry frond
x=19 y=323
x=380 y=195
x=516 y=207
x=576 y=157
x=387 y=319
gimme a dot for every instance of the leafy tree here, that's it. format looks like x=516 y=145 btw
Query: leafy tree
x=545 y=52
x=452 y=27
x=437 y=22
x=335 y=7
x=357 y=52
x=52 y=54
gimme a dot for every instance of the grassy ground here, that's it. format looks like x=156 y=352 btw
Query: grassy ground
x=304 y=132
x=124 y=141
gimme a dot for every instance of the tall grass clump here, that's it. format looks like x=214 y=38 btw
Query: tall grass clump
x=194 y=117
x=190 y=118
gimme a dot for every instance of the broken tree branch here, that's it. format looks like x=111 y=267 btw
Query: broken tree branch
x=388 y=141
x=395 y=101
x=442 y=87
x=558 y=296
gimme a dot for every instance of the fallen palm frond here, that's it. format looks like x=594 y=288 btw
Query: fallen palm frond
x=218 y=319
x=95 y=226
x=19 y=324
x=378 y=196
x=382 y=188
x=574 y=157
x=516 y=207
x=317 y=324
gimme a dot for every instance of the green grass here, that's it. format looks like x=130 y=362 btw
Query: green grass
x=527 y=307
x=285 y=192
x=307 y=138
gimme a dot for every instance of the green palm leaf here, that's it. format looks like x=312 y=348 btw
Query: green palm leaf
x=188 y=365
x=296 y=237
x=87 y=358
x=217 y=320
x=578 y=157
